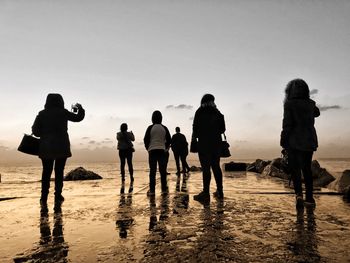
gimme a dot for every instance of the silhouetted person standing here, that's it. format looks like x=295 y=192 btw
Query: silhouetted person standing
x=51 y=126
x=208 y=125
x=157 y=142
x=299 y=137
x=126 y=150
x=179 y=146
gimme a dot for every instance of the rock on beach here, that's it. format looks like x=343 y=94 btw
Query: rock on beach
x=273 y=171
x=258 y=166
x=81 y=173
x=342 y=184
x=320 y=175
x=235 y=167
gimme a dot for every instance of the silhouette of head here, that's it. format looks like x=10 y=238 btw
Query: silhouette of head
x=177 y=129
x=54 y=100
x=123 y=127
x=157 y=117
x=208 y=100
x=297 y=89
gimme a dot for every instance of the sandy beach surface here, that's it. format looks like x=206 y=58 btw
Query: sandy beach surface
x=256 y=222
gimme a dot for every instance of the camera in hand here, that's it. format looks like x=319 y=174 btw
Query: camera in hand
x=75 y=108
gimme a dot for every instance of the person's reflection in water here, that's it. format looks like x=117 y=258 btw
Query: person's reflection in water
x=52 y=247
x=304 y=242
x=125 y=220
x=212 y=225
x=181 y=198
x=158 y=227
x=153 y=212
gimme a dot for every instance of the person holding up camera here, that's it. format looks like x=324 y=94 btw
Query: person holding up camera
x=51 y=126
x=126 y=150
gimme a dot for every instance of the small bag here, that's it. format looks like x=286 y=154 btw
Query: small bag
x=225 y=148
x=29 y=145
x=194 y=146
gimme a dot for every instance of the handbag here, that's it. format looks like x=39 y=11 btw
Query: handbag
x=29 y=145
x=225 y=148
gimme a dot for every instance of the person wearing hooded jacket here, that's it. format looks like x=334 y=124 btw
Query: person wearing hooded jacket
x=157 y=141
x=51 y=125
x=208 y=127
x=299 y=138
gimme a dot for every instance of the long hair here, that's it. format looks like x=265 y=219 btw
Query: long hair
x=54 y=100
x=123 y=127
x=208 y=101
x=297 y=89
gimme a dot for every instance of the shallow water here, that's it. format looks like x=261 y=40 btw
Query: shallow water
x=256 y=222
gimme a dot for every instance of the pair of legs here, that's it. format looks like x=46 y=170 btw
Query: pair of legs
x=157 y=157
x=182 y=157
x=300 y=164
x=211 y=161
x=126 y=155
x=48 y=166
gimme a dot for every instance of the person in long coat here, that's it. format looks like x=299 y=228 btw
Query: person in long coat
x=208 y=127
x=299 y=138
x=51 y=125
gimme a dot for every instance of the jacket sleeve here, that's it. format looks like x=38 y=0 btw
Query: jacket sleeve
x=222 y=124
x=316 y=112
x=195 y=127
x=167 y=138
x=36 y=128
x=119 y=136
x=131 y=136
x=287 y=125
x=76 y=117
x=147 y=138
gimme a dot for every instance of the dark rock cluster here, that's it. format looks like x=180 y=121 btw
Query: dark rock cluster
x=278 y=168
x=81 y=173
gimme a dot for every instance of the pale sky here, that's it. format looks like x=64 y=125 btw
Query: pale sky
x=124 y=59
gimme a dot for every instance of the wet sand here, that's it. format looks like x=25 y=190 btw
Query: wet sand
x=256 y=222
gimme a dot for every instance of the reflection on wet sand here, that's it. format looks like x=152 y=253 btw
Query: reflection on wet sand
x=51 y=247
x=124 y=216
x=215 y=243
x=157 y=227
x=304 y=240
x=181 y=197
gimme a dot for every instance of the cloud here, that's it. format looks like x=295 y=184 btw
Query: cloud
x=313 y=91
x=107 y=141
x=191 y=118
x=179 y=107
x=4 y=148
x=85 y=138
x=92 y=142
x=331 y=107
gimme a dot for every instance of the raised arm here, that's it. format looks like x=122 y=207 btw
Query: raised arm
x=76 y=117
